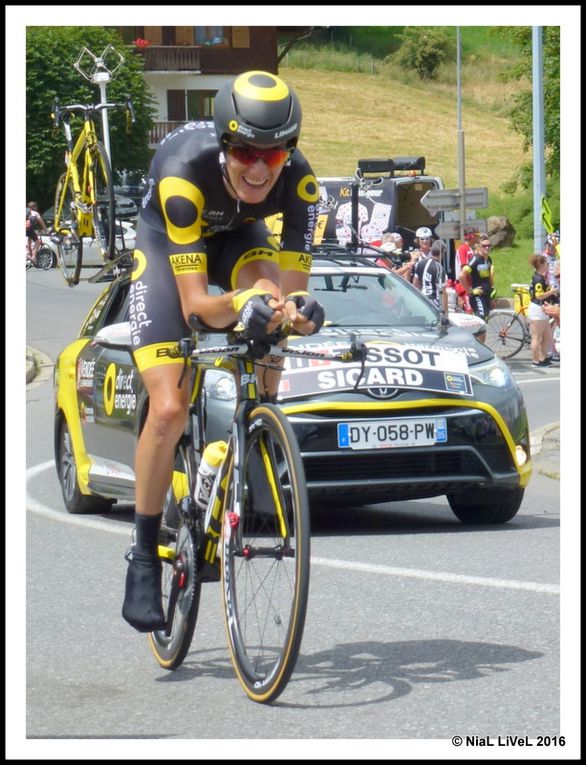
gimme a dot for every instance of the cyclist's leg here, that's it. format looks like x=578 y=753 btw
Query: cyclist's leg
x=156 y=326
x=33 y=245
x=480 y=306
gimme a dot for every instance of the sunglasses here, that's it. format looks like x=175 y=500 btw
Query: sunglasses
x=486 y=246
x=248 y=155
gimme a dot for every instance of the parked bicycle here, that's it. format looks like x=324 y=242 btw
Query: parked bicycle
x=44 y=258
x=84 y=198
x=256 y=527
x=507 y=331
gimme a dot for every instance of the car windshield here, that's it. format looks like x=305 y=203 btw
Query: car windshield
x=368 y=298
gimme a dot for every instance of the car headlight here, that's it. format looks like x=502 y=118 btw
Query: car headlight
x=494 y=372
x=220 y=385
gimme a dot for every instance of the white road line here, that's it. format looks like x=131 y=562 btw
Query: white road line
x=537 y=379
x=440 y=576
x=114 y=527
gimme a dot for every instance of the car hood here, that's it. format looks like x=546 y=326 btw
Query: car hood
x=401 y=359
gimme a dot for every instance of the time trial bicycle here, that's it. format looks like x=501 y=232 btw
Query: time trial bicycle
x=84 y=198
x=254 y=535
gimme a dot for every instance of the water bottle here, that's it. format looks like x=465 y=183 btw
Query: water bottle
x=210 y=464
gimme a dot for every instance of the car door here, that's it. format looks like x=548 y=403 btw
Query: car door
x=108 y=389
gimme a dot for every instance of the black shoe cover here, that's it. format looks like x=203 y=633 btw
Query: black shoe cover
x=142 y=607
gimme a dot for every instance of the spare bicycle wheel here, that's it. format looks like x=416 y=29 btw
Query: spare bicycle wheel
x=103 y=207
x=69 y=244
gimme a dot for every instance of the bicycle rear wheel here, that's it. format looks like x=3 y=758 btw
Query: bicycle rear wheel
x=505 y=334
x=69 y=244
x=180 y=584
x=265 y=557
x=45 y=257
x=102 y=193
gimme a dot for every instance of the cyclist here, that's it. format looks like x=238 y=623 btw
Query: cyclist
x=34 y=220
x=477 y=278
x=429 y=275
x=201 y=223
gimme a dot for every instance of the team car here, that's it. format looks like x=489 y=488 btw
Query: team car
x=431 y=412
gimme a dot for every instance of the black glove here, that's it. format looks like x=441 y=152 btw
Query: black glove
x=253 y=310
x=308 y=306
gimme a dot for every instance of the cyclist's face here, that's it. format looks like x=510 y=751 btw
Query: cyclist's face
x=251 y=174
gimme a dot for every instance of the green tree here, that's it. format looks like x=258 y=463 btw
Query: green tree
x=51 y=53
x=521 y=114
x=424 y=49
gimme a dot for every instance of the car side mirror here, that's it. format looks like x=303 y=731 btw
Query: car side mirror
x=114 y=335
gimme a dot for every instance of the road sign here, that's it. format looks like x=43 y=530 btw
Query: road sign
x=451 y=229
x=546 y=215
x=438 y=200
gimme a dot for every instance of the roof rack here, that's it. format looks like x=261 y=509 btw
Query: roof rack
x=391 y=166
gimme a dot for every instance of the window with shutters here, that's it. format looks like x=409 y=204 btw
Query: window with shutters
x=210 y=35
x=185 y=105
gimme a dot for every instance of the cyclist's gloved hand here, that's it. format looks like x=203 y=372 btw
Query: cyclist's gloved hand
x=477 y=291
x=306 y=307
x=252 y=307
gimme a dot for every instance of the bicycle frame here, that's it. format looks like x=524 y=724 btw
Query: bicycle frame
x=83 y=186
x=243 y=369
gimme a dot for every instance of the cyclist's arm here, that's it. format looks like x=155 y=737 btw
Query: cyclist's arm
x=465 y=278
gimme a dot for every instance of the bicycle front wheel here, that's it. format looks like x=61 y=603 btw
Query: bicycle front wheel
x=102 y=196
x=69 y=244
x=505 y=334
x=265 y=557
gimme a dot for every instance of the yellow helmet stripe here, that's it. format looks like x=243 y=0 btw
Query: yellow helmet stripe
x=244 y=87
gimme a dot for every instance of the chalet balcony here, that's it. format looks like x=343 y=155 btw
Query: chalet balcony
x=171 y=58
x=160 y=130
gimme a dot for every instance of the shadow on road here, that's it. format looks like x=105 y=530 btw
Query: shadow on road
x=370 y=672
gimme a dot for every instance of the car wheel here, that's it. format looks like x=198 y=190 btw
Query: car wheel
x=486 y=505
x=75 y=501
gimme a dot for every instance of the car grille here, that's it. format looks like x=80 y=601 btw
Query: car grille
x=385 y=466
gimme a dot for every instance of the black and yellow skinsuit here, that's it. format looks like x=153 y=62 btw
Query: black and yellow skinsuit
x=189 y=223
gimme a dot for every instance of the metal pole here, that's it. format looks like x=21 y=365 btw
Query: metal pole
x=102 y=79
x=538 y=140
x=461 y=173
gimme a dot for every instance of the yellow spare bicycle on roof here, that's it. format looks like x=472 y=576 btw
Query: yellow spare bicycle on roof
x=84 y=198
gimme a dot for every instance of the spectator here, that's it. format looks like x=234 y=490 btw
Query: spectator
x=466 y=251
x=551 y=307
x=429 y=275
x=34 y=221
x=394 y=259
x=464 y=255
x=551 y=253
x=477 y=278
x=540 y=291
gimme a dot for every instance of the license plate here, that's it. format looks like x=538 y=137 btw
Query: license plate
x=386 y=434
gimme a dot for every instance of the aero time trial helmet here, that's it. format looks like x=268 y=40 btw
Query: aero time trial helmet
x=258 y=108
